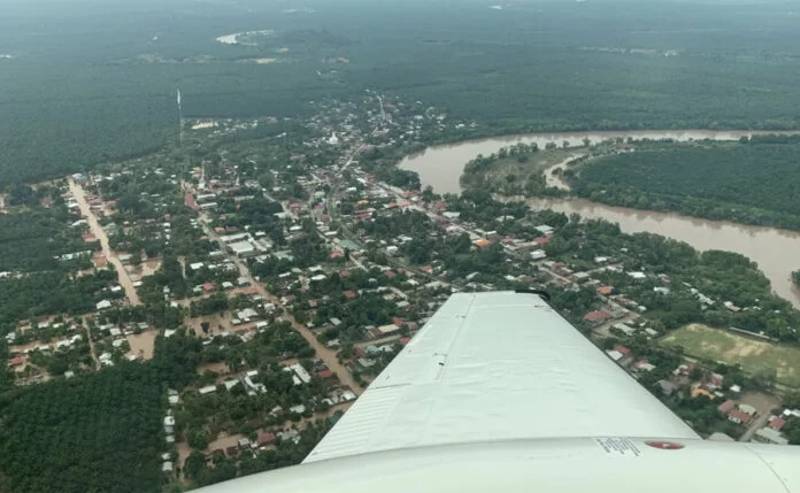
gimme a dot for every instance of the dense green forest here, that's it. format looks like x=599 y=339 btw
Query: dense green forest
x=751 y=182
x=101 y=83
x=101 y=432
x=32 y=238
x=41 y=255
x=53 y=292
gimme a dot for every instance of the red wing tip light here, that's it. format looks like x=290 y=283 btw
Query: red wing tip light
x=664 y=445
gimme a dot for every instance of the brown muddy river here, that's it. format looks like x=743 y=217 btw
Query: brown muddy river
x=776 y=251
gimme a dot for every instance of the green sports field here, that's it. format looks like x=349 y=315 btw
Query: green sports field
x=753 y=355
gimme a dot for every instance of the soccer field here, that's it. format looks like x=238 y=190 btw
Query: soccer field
x=753 y=355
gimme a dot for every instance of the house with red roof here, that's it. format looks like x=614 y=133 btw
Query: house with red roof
x=597 y=316
x=16 y=361
x=739 y=417
x=776 y=423
x=605 y=290
x=726 y=406
x=265 y=438
x=623 y=350
x=482 y=243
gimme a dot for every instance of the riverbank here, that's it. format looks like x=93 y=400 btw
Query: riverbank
x=749 y=182
x=773 y=249
x=441 y=166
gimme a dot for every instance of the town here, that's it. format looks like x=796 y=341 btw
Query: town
x=288 y=260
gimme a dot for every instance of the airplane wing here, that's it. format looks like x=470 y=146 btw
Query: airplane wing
x=492 y=367
x=499 y=393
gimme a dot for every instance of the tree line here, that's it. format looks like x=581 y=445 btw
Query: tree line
x=751 y=182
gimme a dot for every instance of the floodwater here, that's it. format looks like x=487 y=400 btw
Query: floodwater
x=441 y=166
x=775 y=250
x=97 y=230
x=142 y=344
x=553 y=176
x=220 y=368
x=145 y=269
x=218 y=323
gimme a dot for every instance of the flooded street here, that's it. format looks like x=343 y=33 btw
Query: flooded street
x=775 y=250
x=94 y=226
x=326 y=354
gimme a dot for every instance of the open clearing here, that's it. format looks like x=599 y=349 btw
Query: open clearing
x=142 y=345
x=753 y=355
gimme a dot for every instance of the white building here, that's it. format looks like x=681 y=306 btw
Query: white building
x=301 y=372
x=769 y=435
x=242 y=248
x=538 y=254
x=103 y=305
x=388 y=329
x=208 y=389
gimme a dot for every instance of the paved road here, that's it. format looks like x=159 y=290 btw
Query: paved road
x=327 y=355
x=94 y=225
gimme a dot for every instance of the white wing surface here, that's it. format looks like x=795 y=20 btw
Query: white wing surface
x=492 y=367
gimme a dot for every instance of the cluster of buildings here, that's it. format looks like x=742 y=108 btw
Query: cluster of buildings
x=362 y=300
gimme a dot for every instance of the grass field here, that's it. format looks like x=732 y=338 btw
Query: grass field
x=753 y=355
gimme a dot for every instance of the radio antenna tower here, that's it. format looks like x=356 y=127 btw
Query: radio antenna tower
x=180 y=119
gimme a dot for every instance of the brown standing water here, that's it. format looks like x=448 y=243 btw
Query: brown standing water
x=97 y=231
x=776 y=251
x=143 y=344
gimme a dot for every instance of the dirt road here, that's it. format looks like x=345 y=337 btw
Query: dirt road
x=764 y=403
x=97 y=231
x=92 y=351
